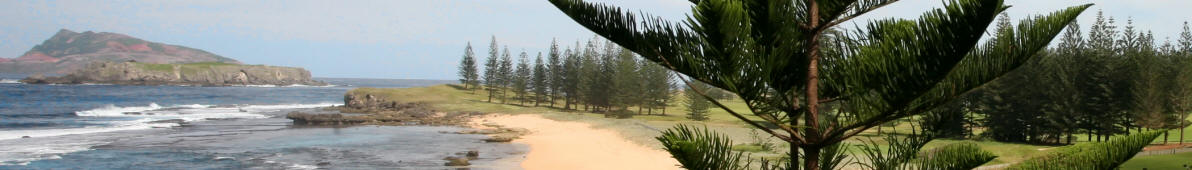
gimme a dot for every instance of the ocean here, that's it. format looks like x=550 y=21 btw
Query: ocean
x=96 y=126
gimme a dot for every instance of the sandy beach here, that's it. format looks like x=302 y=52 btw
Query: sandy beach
x=574 y=145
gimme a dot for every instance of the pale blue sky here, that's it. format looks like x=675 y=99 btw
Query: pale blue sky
x=409 y=39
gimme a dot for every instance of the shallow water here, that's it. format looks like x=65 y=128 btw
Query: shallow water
x=175 y=127
x=274 y=144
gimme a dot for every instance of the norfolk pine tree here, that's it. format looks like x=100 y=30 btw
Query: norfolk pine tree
x=505 y=75
x=768 y=53
x=492 y=77
x=541 y=80
x=521 y=78
x=555 y=72
x=467 y=69
x=697 y=106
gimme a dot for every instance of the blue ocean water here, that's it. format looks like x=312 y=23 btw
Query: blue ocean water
x=180 y=127
x=26 y=106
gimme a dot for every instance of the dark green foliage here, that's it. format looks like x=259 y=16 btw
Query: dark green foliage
x=626 y=80
x=571 y=77
x=1185 y=41
x=1098 y=155
x=701 y=149
x=505 y=75
x=834 y=156
x=521 y=79
x=492 y=75
x=1106 y=95
x=769 y=54
x=593 y=86
x=948 y=121
x=1115 y=81
x=555 y=72
x=697 y=106
x=898 y=152
x=601 y=78
x=540 y=80
x=964 y=155
x=468 y=74
x=656 y=86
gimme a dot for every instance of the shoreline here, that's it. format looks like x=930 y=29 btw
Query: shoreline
x=574 y=145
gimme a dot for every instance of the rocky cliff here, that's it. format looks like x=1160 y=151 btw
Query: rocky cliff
x=199 y=74
x=67 y=51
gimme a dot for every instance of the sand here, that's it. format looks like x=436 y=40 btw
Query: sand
x=576 y=146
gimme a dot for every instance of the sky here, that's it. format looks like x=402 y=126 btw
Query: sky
x=415 y=39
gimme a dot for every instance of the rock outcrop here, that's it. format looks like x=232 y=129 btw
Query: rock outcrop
x=68 y=51
x=375 y=109
x=364 y=102
x=197 y=74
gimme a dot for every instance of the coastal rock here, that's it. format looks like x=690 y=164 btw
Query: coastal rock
x=498 y=139
x=371 y=103
x=473 y=154
x=456 y=161
x=323 y=119
x=199 y=74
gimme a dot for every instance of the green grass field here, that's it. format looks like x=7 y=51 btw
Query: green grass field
x=643 y=128
x=1154 y=162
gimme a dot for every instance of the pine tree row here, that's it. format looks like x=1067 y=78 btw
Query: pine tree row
x=598 y=76
x=1115 y=81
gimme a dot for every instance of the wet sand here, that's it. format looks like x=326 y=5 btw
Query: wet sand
x=575 y=145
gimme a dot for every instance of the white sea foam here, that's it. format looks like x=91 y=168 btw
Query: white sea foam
x=9 y=81
x=144 y=117
x=112 y=110
x=17 y=151
x=17 y=134
x=23 y=153
x=301 y=166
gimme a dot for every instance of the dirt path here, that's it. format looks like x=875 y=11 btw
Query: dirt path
x=577 y=146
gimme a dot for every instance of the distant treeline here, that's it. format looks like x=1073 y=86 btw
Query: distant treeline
x=1112 y=82
x=597 y=76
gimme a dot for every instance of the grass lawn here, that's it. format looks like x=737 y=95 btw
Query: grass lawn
x=1173 y=161
x=643 y=128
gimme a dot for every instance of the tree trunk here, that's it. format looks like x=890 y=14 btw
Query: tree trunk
x=567 y=104
x=1165 y=137
x=811 y=156
x=812 y=132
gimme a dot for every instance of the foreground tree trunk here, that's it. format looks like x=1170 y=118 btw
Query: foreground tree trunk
x=811 y=151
